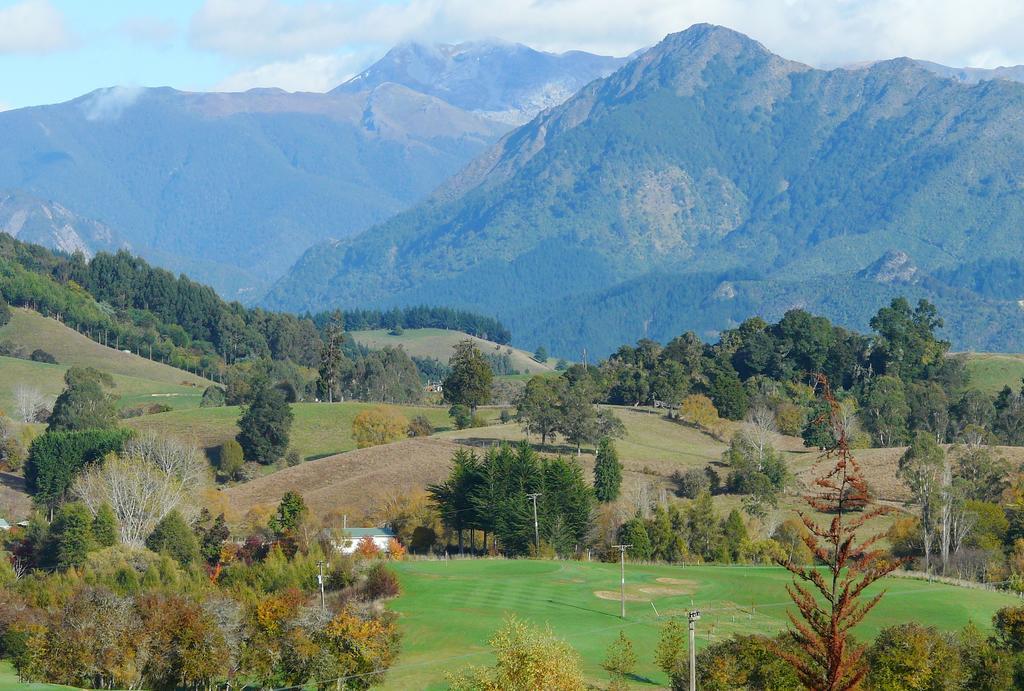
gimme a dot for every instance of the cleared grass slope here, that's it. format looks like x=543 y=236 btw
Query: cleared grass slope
x=130 y=391
x=320 y=429
x=439 y=343
x=30 y=330
x=990 y=372
x=138 y=381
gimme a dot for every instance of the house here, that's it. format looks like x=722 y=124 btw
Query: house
x=434 y=387
x=380 y=536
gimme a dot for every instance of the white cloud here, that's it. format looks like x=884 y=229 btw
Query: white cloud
x=109 y=104
x=4 y=106
x=33 y=27
x=310 y=73
x=820 y=32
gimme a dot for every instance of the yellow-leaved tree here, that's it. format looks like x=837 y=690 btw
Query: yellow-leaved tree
x=378 y=426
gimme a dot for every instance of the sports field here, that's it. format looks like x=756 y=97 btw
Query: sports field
x=449 y=609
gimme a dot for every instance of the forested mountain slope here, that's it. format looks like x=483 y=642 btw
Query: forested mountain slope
x=231 y=188
x=706 y=180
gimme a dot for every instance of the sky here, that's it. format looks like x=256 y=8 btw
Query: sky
x=55 y=50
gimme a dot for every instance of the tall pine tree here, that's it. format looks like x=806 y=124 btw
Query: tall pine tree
x=607 y=472
x=265 y=424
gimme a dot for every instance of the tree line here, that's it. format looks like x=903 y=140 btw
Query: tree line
x=419 y=317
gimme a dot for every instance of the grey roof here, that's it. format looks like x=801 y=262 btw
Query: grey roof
x=372 y=532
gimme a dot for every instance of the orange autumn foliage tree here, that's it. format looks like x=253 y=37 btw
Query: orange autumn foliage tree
x=395 y=549
x=828 y=659
x=366 y=547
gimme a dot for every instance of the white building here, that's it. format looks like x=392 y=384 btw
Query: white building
x=380 y=536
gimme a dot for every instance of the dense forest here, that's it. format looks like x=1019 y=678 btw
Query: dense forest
x=421 y=317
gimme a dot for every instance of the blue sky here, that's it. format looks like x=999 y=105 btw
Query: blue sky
x=54 y=50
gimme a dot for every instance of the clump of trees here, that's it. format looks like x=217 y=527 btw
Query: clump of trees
x=490 y=494
x=560 y=405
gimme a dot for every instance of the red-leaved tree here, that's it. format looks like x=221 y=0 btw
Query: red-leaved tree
x=829 y=600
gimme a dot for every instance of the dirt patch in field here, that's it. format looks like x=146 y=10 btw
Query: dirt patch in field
x=678 y=581
x=616 y=595
x=357 y=482
x=666 y=591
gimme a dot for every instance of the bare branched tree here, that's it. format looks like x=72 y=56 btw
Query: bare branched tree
x=151 y=478
x=759 y=431
x=27 y=400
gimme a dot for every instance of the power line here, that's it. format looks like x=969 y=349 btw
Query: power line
x=536 y=525
x=622 y=576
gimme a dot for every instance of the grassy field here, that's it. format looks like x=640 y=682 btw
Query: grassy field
x=320 y=429
x=449 y=609
x=990 y=372
x=138 y=381
x=438 y=343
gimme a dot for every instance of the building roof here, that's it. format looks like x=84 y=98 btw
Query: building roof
x=357 y=533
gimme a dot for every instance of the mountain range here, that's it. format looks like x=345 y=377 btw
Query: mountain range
x=231 y=188
x=706 y=180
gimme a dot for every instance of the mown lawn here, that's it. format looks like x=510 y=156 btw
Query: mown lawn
x=449 y=609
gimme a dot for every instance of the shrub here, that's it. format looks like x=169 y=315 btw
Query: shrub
x=690 y=483
x=378 y=426
x=213 y=397
x=293 y=458
x=5 y=312
x=789 y=419
x=40 y=355
x=420 y=427
x=230 y=459
x=381 y=582
x=172 y=536
x=461 y=416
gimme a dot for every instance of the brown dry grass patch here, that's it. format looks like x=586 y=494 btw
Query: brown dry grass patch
x=666 y=591
x=356 y=482
x=616 y=595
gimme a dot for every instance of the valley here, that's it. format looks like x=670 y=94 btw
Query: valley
x=363 y=355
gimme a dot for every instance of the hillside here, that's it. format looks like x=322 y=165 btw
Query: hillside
x=990 y=372
x=137 y=381
x=30 y=330
x=706 y=180
x=320 y=429
x=440 y=343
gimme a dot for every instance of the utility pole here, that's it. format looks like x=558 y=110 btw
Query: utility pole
x=693 y=616
x=622 y=576
x=320 y=581
x=536 y=525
